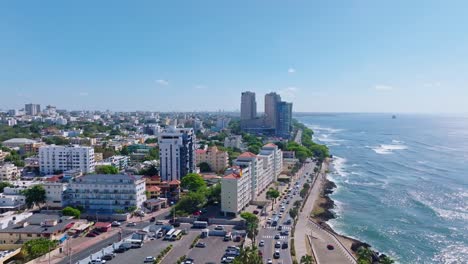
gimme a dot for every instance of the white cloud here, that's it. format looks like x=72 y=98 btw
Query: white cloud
x=382 y=87
x=84 y=93
x=162 y=82
x=291 y=70
x=288 y=93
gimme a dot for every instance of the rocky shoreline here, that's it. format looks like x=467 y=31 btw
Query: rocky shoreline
x=322 y=212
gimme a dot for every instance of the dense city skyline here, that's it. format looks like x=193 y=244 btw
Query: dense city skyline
x=360 y=57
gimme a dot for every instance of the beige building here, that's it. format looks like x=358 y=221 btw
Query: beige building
x=8 y=172
x=235 y=190
x=217 y=159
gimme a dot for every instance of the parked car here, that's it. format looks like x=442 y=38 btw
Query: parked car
x=153 y=219
x=330 y=247
x=200 y=245
x=131 y=224
x=188 y=261
x=109 y=256
x=255 y=212
x=149 y=259
x=219 y=227
x=116 y=223
x=97 y=261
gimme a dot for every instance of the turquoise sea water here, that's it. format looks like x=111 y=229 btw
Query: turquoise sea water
x=402 y=183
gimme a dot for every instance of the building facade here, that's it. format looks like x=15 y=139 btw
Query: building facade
x=235 y=190
x=271 y=101
x=106 y=193
x=217 y=159
x=32 y=109
x=248 y=106
x=284 y=120
x=54 y=194
x=61 y=158
x=275 y=157
x=8 y=172
x=233 y=141
x=176 y=153
x=259 y=178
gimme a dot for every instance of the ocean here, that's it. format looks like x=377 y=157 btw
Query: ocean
x=402 y=184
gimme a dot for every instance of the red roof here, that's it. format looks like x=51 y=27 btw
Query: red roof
x=174 y=182
x=153 y=189
x=270 y=145
x=247 y=155
x=200 y=151
x=102 y=225
x=232 y=176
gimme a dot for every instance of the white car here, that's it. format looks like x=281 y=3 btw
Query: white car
x=219 y=227
x=149 y=259
x=262 y=243
x=97 y=261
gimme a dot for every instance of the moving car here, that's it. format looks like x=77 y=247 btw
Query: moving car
x=284 y=245
x=262 y=243
x=278 y=244
x=269 y=261
x=276 y=255
x=277 y=236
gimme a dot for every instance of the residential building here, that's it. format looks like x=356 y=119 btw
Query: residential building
x=176 y=153
x=217 y=159
x=234 y=141
x=8 y=172
x=106 y=193
x=52 y=227
x=32 y=109
x=11 y=202
x=275 y=158
x=61 y=158
x=118 y=161
x=248 y=106
x=271 y=102
x=259 y=177
x=284 y=119
x=236 y=191
x=54 y=194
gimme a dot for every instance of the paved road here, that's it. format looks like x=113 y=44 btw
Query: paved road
x=213 y=252
x=267 y=233
x=320 y=238
x=97 y=247
x=298 y=137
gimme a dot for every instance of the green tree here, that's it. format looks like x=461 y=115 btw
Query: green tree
x=70 y=211
x=35 y=196
x=190 y=203
x=149 y=171
x=386 y=260
x=272 y=194
x=152 y=140
x=106 y=169
x=124 y=151
x=214 y=194
x=307 y=259
x=251 y=225
x=4 y=184
x=293 y=212
x=193 y=182
x=204 y=167
x=364 y=255
x=248 y=255
x=37 y=247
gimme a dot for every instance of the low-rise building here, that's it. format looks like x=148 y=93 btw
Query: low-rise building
x=217 y=159
x=52 y=227
x=105 y=193
x=234 y=141
x=61 y=158
x=54 y=194
x=17 y=142
x=8 y=172
x=235 y=190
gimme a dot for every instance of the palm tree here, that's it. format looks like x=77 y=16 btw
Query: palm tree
x=248 y=255
x=251 y=224
x=272 y=194
x=307 y=259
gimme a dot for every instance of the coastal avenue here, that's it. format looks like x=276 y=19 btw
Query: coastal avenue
x=268 y=232
x=319 y=237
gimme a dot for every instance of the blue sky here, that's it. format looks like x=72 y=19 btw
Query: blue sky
x=324 y=56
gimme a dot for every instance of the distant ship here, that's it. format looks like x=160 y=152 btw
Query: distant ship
x=393 y=116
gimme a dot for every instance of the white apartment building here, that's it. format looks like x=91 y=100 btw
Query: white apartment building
x=217 y=159
x=259 y=178
x=234 y=141
x=176 y=153
x=54 y=194
x=235 y=190
x=106 y=193
x=8 y=172
x=271 y=149
x=61 y=158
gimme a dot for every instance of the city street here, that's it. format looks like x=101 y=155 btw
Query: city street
x=268 y=232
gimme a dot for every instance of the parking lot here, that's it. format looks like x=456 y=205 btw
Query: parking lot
x=213 y=252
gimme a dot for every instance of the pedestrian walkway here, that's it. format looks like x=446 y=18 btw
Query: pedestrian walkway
x=273 y=236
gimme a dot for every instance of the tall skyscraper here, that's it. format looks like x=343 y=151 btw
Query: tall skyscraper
x=271 y=100
x=32 y=109
x=176 y=153
x=284 y=119
x=248 y=106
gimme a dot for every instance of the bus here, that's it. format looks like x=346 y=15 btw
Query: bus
x=275 y=221
x=169 y=234
x=200 y=224
x=177 y=235
x=136 y=243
